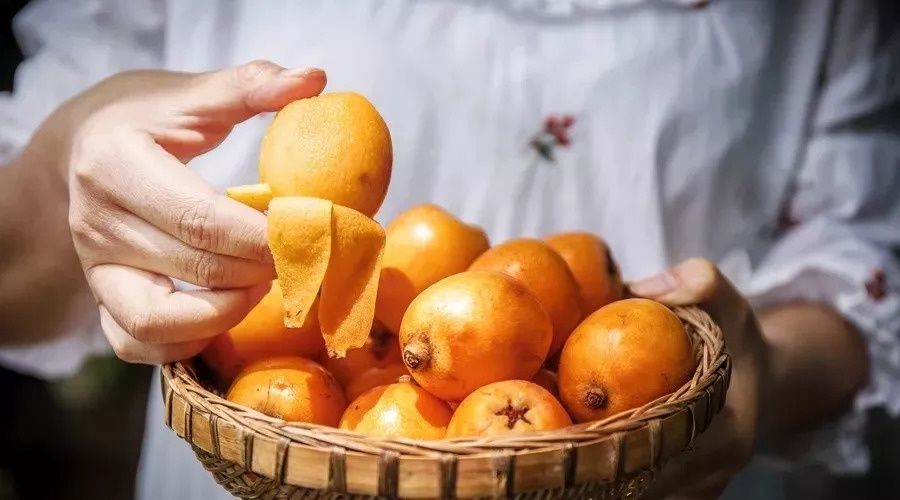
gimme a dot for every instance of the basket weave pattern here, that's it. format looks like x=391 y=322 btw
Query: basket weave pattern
x=256 y=456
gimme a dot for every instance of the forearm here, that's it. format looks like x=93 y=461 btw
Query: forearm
x=817 y=363
x=40 y=279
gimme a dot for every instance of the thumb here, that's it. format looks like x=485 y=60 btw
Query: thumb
x=238 y=93
x=696 y=282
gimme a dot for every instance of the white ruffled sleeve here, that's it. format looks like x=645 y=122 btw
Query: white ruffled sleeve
x=69 y=45
x=843 y=220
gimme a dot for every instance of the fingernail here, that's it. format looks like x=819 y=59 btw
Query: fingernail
x=654 y=286
x=300 y=72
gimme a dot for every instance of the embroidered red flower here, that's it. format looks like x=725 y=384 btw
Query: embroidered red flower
x=876 y=287
x=786 y=219
x=555 y=133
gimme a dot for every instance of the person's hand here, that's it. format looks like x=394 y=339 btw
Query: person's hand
x=139 y=217
x=728 y=444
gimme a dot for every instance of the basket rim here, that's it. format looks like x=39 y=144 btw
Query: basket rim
x=695 y=402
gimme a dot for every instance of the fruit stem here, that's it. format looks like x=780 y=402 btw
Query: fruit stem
x=595 y=398
x=416 y=355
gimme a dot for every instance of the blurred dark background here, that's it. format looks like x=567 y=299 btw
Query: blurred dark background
x=80 y=438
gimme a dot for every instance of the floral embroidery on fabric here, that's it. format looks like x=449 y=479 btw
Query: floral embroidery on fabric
x=786 y=220
x=555 y=133
x=876 y=287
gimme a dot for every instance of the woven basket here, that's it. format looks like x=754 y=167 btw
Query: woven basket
x=256 y=456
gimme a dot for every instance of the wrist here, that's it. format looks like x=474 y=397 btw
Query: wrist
x=36 y=189
x=37 y=258
x=25 y=196
x=766 y=398
x=818 y=362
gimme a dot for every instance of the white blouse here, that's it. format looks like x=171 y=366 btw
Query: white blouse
x=753 y=133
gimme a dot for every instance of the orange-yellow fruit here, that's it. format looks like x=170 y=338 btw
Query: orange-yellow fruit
x=380 y=350
x=398 y=410
x=291 y=388
x=624 y=355
x=332 y=252
x=548 y=380
x=373 y=377
x=471 y=329
x=507 y=407
x=300 y=234
x=262 y=334
x=593 y=266
x=334 y=146
x=423 y=245
x=327 y=162
x=255 y=196
x=347 y=297
x=546 y=274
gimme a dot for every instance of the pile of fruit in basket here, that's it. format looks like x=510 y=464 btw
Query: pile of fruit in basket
x=423 y=330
